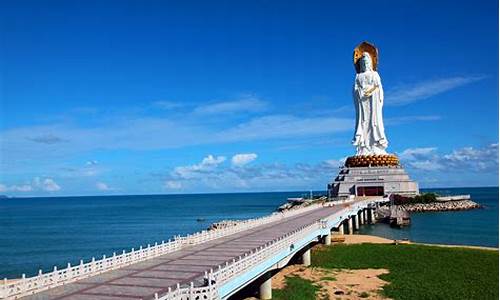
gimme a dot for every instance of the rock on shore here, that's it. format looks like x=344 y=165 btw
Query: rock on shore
x=223 y=224
x=441 y=206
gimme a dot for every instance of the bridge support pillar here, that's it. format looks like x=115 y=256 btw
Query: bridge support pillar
x=341 y=228
x=350 y=225
x=327 y=240
x=356 y=222
x=306 y=258
x=372 y=215
x=361 y=217
x=265 y=289
x=365 y=215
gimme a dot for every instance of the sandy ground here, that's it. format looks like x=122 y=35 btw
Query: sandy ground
x=347 y=284
x=360 y=238
x=336 y=284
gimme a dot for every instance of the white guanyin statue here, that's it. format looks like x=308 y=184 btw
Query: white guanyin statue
x=369 y=136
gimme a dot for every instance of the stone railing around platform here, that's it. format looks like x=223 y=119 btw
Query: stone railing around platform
x=42 y=281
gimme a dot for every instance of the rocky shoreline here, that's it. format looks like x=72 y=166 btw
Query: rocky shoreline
x=441 y=206
x=223 y=224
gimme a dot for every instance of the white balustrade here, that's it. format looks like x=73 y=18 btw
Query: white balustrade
x=40 y=282
x=243 y=264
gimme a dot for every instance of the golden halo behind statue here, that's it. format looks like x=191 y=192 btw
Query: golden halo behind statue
x=370 y=49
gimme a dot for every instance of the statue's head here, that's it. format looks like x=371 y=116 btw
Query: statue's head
x=366 y=62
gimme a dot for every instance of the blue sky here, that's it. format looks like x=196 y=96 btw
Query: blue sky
x=140 y=97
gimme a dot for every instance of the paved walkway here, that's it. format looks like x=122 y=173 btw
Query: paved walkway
x=142 y=280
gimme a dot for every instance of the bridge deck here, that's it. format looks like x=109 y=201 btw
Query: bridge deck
x=142 y=280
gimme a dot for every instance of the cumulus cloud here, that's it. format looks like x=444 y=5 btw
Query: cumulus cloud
x=46 y=184
x=243 y=159
x=245 y=104
x=101 y=186
x=469 y=157
x=211 y=174
x=15 y=188
x=415 y=153
x=411 y=93
x=173 y=185
x=91 y=163
x=335 y=163
x=463 y=159
x=37 y=184
x=208 y=164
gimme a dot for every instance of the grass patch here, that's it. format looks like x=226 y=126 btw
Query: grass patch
x=329 y=278
x=420 y=272
x=364 y=295
x=296 y=289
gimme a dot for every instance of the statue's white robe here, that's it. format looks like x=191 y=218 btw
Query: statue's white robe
x=369 y=136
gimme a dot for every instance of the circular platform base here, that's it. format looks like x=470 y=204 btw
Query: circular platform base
x=382 y=160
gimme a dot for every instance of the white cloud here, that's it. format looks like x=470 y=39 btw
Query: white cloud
x=91 y=163
x=246 y=104
x=208 y=164
x=15 y=188
x=335 y=163
x=37 y=184
x=427 y=165
x=47 y=184
x=243 y=158
x=101 y=186
x=407 y=94
x=173 y=185
x=459 y=160
x=216 y=176
x=414 y=153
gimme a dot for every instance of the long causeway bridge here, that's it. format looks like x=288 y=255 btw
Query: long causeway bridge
x=212 y=264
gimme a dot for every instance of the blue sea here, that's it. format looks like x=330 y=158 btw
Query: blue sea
x=477 y=227
x=38 y=233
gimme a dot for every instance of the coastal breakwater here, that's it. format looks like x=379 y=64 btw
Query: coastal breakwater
x=441 y=206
